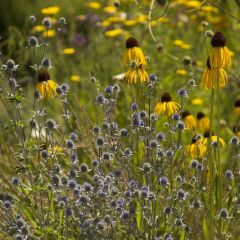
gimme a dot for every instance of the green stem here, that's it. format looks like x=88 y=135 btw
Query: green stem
x=210 y=167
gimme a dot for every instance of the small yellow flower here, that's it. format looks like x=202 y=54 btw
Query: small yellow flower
x=203 y=122
x=236 y=110
x=110 y=9
x=185 y=46
x=197 y=101
x=214 y=138
x=167 y=106
x=45 y=86
x=68 y=51
x=189 y=120
x=93 y=5
x=49 y=33
x=39 y=28
x=178 y=42
x=114 y=33
x=181 y=72
x=196 y=149
x=193 y=4
x=52 y=10
x=75 y=78
x=130 y=22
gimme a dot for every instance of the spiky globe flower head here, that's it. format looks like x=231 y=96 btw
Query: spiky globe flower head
x=214 y=77
x=45 y=86
x=236 y=110
x=166 y=105
x=196 y=149
x=33 y=42
x=189 y=120
x=203 y=122
x=220 y=56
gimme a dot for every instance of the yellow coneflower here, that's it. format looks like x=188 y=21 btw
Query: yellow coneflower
x=189 y=120
x=203 y=122
x=220 y=56
x=136 y=75
x=236 y=130
x=167 y=106
x=204 y=139
x=214 y=77
x=134 y=53
x=196 y=149
x=236 y=110
x=45 y=86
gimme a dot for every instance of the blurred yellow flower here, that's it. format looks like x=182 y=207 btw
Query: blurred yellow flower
x=185 y=46
x=209 y=9
x=39 y=28
x=55 y=149
x=193 y=4
x=50 y=10
x=68 y=51
x=50 y=33
x=130 y=22
x=81 y=17
x=75 y=78
x=141 y=18
x=178 y=42
x=114 y=32
x=181 y=71
x=93 y=5
x=163 y=19
x=197 y=101
x=110 y=9
x=166 y=105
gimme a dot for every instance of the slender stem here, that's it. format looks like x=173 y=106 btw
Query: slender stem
x=210 y=166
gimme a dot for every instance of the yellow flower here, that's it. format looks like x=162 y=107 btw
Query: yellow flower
x=52 y=10
x=75 y=78
x=136 y=75
x=193 y=4
x=167 y=106
x=50 y=33
x=134 y=53
x=68 y=51
x=197 y=101
x=93 y=5
x=220 y=55
x=204 y=139
x=130 y=22
x=55 y=149
x=209 y=9
x=114 y=32
x=236 y=130
x=181 y=71
x=178 y=42
x=189 y=120
x=39 y=28
x=110 y=9
x=196 y=149
x=185 y=46
x=236 y=110
x=45 y=86
x=214 y=77
x=203 y=122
